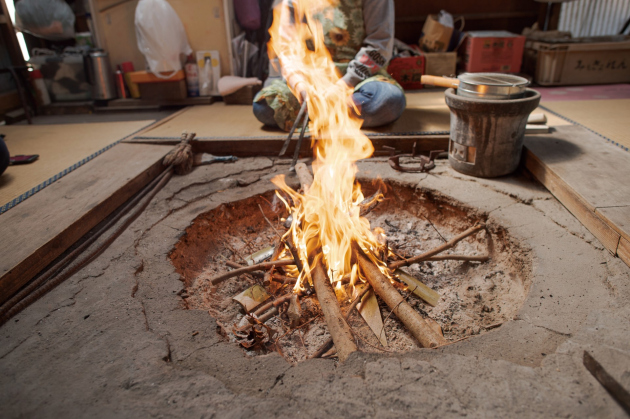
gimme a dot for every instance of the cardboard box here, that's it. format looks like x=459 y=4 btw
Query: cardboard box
x=143 y=76
x=170 y=90
x=492 y=51
x=595 y=60
x=407 y=71
x=440 y=63
x=435 y=36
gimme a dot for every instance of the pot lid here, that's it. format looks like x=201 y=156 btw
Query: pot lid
x=493 y=79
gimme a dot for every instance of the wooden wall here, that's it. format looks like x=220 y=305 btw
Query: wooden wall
x=511 y=15
x=205 y=22
x=203 y=19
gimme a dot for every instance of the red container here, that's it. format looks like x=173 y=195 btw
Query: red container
x=407 y=71
x=493 y=52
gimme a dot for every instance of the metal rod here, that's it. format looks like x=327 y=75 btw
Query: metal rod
x=295 y=124
x=296 y=153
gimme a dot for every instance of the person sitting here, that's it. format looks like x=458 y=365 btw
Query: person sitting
x=360 y=37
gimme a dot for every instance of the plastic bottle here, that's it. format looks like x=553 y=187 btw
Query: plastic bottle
x=42 y=93
x=192 y=76
x=120 y=84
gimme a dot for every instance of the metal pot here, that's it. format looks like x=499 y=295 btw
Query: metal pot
x=493 y=86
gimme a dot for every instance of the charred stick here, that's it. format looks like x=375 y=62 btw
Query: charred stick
x=296 y=256
x=266 y=311
x=278 y=249
x=274 y=303
x=246 y=269
x=418 y=327
x=437 y=258
x=322 y=349
x=233 y=264
x=369 y=203
x=306 y=179
x=337 y=325
x=286 y=280
x=438 y=249
x=612 y=386
x=269 y=222
x=268 y=315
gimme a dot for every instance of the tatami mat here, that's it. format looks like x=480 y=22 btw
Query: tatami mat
x=61 y=149
x=608 y=118
x=425 y=113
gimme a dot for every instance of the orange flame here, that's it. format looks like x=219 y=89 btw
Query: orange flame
x=326 y=217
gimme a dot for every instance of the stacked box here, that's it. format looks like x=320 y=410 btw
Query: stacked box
x=492 y=51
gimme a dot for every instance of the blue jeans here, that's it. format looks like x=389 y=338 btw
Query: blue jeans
x=379 y=102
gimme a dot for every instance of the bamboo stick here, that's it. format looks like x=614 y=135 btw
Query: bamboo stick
x=439 y=249
x=396 y=303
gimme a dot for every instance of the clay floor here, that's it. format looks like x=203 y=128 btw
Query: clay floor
x=116 y=341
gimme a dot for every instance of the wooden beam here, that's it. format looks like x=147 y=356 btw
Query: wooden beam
x=572 y=201
x=270 y=146
x=48 y=223
x=623 y=251
x=58 y=216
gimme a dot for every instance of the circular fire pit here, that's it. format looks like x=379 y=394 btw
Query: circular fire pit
x=473 y=296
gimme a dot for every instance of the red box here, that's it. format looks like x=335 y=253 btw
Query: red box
x=493 y=51
x=407 y=71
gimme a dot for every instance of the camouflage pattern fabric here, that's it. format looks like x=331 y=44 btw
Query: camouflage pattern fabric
x=344 y=32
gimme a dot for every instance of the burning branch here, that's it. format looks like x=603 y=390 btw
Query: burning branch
x=324 y=348
x=259 y=267
x=337 y=325
x=407 y=315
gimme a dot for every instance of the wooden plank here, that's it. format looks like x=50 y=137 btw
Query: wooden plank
x=618 y=218
x=252 y=147
x=623 y=251
x=596 y=170
x=61 y=214
x=576 y=205
x=109 y=180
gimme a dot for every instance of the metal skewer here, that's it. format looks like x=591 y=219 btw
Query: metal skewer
x=295 y=124
x=296 y=153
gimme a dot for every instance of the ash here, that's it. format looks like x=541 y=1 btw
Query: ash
x=474 y=297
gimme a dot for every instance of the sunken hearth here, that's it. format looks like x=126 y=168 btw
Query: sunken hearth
x=472 y=297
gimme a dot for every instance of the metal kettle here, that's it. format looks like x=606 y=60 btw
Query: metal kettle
x=99 y=75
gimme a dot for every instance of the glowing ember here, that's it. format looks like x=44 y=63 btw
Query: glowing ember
x=326 y=218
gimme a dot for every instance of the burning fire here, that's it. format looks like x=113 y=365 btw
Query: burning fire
x=326 y=219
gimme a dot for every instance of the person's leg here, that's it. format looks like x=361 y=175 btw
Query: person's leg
x=264 y=113
x=4 y=156
x=379 y=102
x=276 y=106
